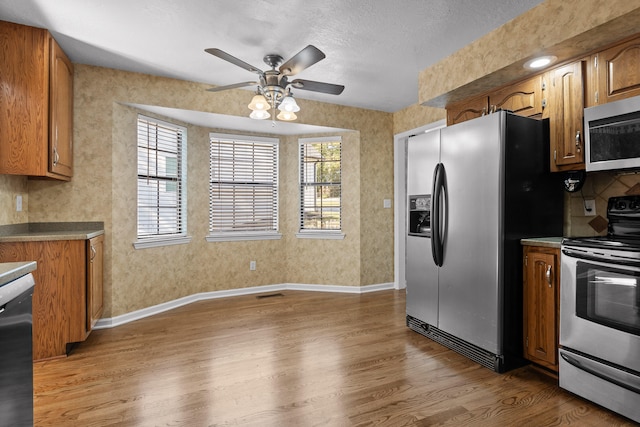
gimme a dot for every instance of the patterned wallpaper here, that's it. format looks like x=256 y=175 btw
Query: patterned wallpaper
x=10 y=187
x=104 y=189
x=564 y=28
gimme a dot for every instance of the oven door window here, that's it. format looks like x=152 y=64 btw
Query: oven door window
x=609 y=296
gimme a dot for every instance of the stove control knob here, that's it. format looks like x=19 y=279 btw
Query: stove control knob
x=620 y=205
x=635 y=205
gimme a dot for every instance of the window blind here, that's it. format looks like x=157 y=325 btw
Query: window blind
x=320 y=184
x=243 y=189
x=161 y=203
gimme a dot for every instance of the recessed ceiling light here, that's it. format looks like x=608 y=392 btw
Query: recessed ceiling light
x=540 y=62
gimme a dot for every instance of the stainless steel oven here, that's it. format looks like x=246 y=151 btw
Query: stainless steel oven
x=600 y=312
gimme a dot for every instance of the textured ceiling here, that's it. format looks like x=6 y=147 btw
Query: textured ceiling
x=376 y=48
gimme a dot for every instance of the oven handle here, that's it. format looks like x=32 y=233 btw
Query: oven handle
x=590 y=257
x=586 y=365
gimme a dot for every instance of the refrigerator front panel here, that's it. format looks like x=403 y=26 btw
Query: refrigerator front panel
x=422 y=281
x=421 y=273
x=469 y=297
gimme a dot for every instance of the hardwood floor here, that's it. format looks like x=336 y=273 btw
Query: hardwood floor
x=299 y=359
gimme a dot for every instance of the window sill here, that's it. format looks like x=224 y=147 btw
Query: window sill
x=242 y=236
x=329 y=235
x=161 y=241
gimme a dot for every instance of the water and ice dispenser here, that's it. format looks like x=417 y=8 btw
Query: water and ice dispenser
x=420 y=215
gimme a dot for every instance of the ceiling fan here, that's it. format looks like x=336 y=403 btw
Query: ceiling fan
x=274 y=86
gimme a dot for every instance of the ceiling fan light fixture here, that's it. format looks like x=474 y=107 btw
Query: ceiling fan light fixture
x=259 y=114
x=274 y=86
x=289 y=105
x=287 y=116
x=259 y=103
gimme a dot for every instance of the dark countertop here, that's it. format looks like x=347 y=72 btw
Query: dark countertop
x=549 y=242
x=44 y=231
x=10 y=271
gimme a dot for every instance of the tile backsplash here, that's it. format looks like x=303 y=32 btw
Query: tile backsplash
x=598 y=186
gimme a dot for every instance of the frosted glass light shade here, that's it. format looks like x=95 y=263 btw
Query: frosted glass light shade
x=259 y=103
x=259 y=115
x=287 y=116
x=289 y=104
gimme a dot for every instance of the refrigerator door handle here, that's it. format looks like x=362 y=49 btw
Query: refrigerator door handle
x=436 y=211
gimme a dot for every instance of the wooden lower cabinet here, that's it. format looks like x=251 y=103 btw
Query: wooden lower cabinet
x=541 y=296
x=63 y=286
x=95 y=270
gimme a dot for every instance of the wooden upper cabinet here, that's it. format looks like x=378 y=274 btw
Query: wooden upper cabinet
x=36 y=104
x=467 y=110
x=566 y=106
x=523 y=99
x=60 y=112
x=617 y=72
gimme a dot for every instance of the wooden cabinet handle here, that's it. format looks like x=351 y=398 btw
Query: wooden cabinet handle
x=93 y=253
x=578 y=141
x=549 y=275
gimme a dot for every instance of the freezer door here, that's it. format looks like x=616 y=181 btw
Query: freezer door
x=423 y=153
x=469 y=291
x=421 y=272
x=422 y=280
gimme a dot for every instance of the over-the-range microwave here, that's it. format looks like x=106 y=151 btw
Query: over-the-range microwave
x=613 y=135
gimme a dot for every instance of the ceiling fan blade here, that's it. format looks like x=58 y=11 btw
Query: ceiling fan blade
x=232 y=59
x=233 y=86
x=303 y=59
x=318 y=86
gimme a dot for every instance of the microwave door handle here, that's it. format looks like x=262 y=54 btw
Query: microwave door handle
x=612 y=375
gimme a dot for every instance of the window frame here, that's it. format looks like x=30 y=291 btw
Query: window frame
x=182 y=237
x=244 y=235
x=306 y=233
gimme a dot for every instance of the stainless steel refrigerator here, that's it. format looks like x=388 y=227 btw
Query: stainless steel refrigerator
x=488 y=186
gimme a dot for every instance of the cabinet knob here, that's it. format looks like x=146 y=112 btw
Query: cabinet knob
x=549 y=275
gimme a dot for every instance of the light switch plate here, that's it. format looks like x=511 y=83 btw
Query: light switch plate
x=590 y=207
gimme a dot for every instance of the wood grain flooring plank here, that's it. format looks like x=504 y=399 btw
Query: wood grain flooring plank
x=301 y=359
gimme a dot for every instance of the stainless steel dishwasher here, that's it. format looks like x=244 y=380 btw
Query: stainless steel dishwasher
x=16 y=362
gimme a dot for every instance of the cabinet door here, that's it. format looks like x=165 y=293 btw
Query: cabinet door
x=566 y=106
x=540 y=301
x=23 y=99
x=59 y=281
x=523 y=99
x=95 y=270
x=618 y=72
x=60 y=112
x=467 y=110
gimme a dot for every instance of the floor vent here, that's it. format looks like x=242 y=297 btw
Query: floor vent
x=277 y=294
x=473 y=352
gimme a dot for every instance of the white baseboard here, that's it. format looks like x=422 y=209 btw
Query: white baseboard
x=112 y=322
